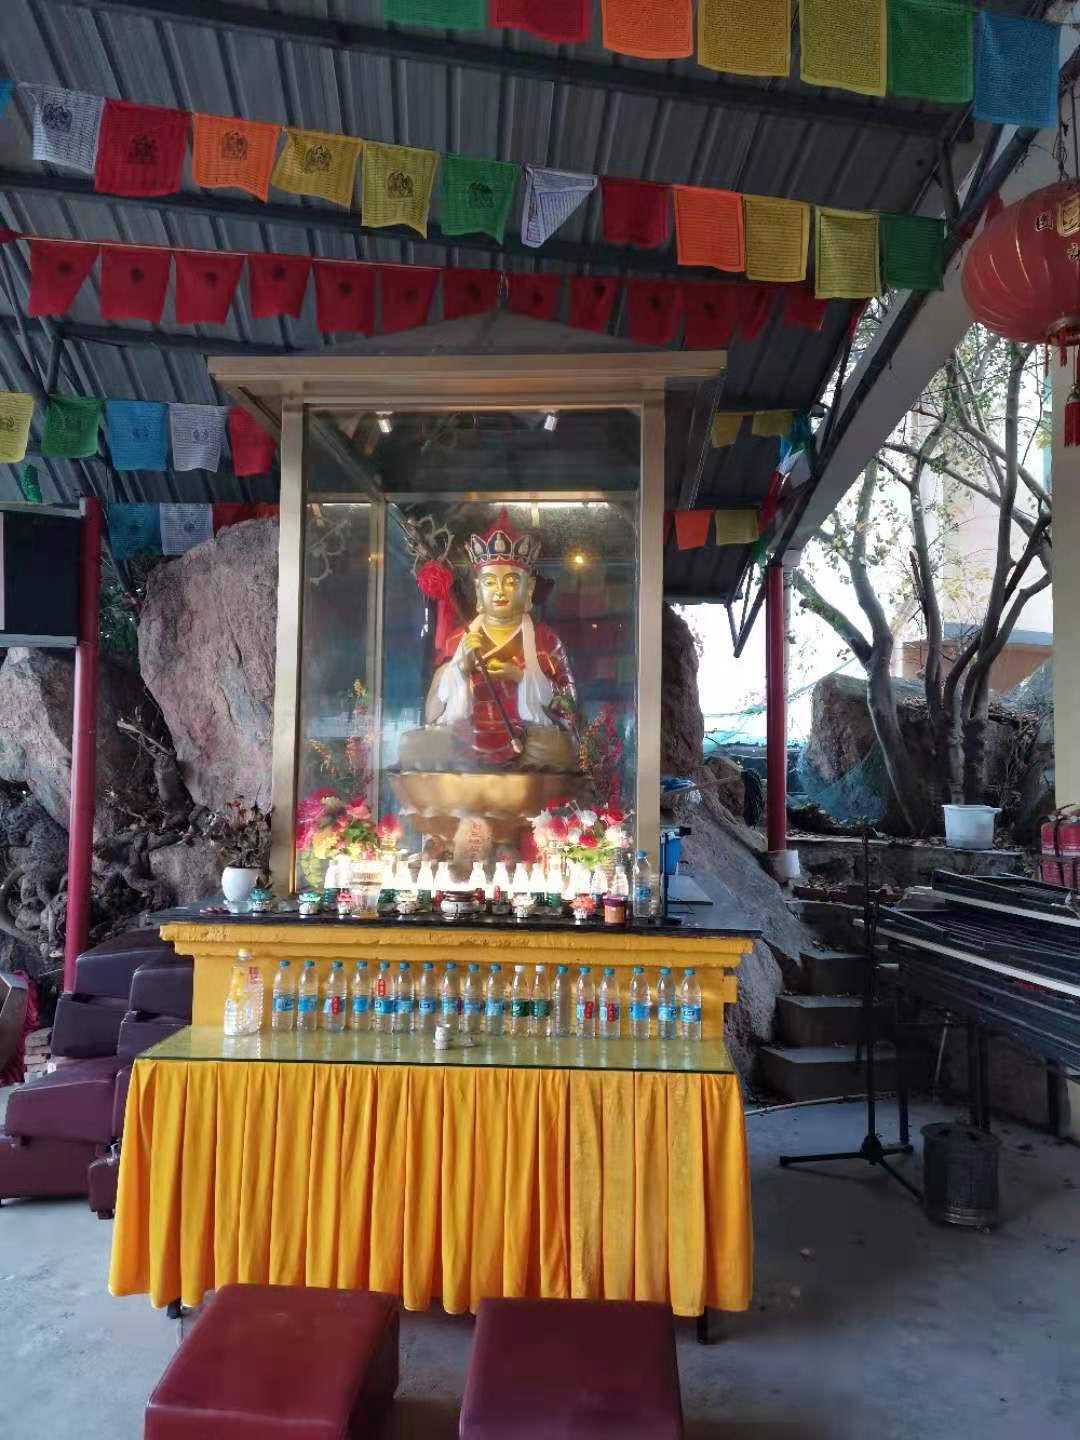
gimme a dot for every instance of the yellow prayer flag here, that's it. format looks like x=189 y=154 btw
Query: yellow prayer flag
x=397 y=185
x=771 y=424
x=725 y=427
x=843 y=43
x=736 y=527
x=16 y=412
x=777 y=238
x=847 y=265
x=745 y=37
x=313 y=163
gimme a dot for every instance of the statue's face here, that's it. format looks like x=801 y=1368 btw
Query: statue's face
x=503 y=592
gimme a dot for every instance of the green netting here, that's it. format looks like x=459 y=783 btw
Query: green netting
x=931 y=50
x=912 y=252
x=861 y=794
x=476 y=195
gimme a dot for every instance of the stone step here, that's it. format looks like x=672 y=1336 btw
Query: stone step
x=816 y=1072
x=826 y=1019
x=834 y=972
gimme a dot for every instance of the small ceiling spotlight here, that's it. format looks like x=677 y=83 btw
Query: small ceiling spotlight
x=385 y=422
x=550 y=420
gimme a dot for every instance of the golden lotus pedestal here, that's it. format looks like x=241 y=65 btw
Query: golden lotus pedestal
x=439 y=802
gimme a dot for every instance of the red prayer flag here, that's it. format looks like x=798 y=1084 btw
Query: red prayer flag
x=802 y=309
x=712 y=312
x=636 y=212
x=692 y=528
x=407 y=293
x=767 y=513
x=205 y=285
x=669 y=516
x=653 y=309
x=755 y=304
x=564 y=22
x=133 y=282
x=535 y=295
x=57 y=271
x=592 y=298
x=7 y=235
x=266 y=510
x=251 y=444
x=468 y=292
x=227 y=512
x=141 y=149
x=277 y=284
x=345 y=296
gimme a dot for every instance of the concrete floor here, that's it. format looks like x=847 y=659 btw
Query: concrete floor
x=867 y=1320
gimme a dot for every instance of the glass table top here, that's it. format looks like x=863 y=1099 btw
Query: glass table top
x=206 y=1042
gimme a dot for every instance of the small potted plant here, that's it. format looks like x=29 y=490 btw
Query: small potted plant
x=241 y=833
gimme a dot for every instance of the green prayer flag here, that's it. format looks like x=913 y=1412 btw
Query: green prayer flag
x=439 y=14
x=758 y=553
x=476 y=195
x=932 y=50
x=912 y=252
x=71 y=427
x=30 y=485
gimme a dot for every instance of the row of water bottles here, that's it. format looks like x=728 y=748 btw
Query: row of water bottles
x=394 y=1001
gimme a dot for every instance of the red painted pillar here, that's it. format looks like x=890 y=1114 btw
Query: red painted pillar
x=83 y=743
x=775 y=707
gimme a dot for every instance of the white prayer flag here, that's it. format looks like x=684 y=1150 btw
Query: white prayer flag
x=184 y=526
x=551 y=197
x=66 y=125
x=197 y=435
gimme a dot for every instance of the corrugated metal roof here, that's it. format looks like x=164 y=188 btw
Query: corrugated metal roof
x=115 y=50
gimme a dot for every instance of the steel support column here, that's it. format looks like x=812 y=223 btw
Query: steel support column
x=84 y=743
x=775 y=707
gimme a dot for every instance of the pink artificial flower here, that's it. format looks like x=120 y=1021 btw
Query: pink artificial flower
x=342 y=822
x=358 y=809
x=305 y=836
x=311 y=808
x=389 y=827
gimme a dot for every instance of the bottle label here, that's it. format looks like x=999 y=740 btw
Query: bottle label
x=496 y=1008
x=520 y=1009
x=665 y=1014
x=404 y=1007
x=284 y=1004
x=639 y=1012
x=334 y=1005
x=541 y=1009
x=690 y=1014
x=642 y=894
x=609 y=1012
x=474 y=1007
x=361 y=1004
x=381 y=986
x=427 y=1005
x=586 y=1009
x=449 y=1007
x=384 y=1005
x=307 y=1005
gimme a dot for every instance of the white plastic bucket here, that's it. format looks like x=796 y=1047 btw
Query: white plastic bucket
x=970 y=827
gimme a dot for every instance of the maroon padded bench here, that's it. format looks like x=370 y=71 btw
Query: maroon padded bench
x=281 y=1362
x=572 y=1370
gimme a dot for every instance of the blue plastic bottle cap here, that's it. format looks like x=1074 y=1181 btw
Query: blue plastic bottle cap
x=335 y=964
x=361 y=964
x=639 y=969
x=665 y=969
x=560 y=969
x=689 y=972
x=584 y=969
x=283 y=964
x=641 y=855
x=451 y=964
x=473 y=969
x=403 y=965
x=429 y=965
x=384 y=964
x=609 y=970
x=495 y=967
x=308 y=964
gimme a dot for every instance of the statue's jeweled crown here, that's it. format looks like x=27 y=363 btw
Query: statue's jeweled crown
x=503 y=545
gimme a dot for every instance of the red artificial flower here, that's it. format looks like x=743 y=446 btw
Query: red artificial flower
x=389 y=827
x=358 y=809
x=311 y=809
x=556 y=827
x=559 y=803
x=612 y=817
x=588 y=840
x=435 y=580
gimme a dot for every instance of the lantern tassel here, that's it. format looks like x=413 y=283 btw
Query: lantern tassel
x=1072 y=408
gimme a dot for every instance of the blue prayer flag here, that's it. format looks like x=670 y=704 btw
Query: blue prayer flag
x=133 y=529
x=138 y=432
x=1016 y=73
x=5 y=96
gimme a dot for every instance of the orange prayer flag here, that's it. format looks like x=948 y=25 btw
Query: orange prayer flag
x=650 y=29
x=709 y=227
x=233 y=153
x=692 y=528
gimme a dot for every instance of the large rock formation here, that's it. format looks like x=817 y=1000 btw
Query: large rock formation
x=206 y=650
x=682 y=725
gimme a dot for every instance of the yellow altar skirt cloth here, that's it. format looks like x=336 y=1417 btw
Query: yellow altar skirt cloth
x=427 y=1182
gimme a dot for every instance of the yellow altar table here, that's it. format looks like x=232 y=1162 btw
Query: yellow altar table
x=567 y=1168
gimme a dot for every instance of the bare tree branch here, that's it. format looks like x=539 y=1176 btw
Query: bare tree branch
x=835 y=618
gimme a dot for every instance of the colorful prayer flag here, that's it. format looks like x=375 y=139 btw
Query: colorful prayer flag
x=314 y=163
x=16 y=412
x=345 y=296
x=197 y=433
x=252 y=445
x=932 y=50
x=649 y=29
x=771 y=424
x=407 y=293
x=133 y=530
x=551 y=197
x=397 y=185
x=712 y=310
x=745 y=37
x=141 y=149
x=653 y=308
x=468 y=292
x=65 y=126
x=736 y=527
x=185 y=526
x=133 y=282
x=138 y=434
x=57 y=271
x=437 y=14
x=777 y=238
x=230 y=512
x=277 y=284
x=563 y=22
x=1016 y=74
x=29 y=484
x=843 y=43
x=71 y=427
x=635 y=212
x=709 y=227
x=802 y=309
x=725 y=428
x=846 y=262
x=592 y=298
x=476 y=196
x=692 y=528
x=535 y=295
x=233 y=154
x=912 y=252
x=206 y=282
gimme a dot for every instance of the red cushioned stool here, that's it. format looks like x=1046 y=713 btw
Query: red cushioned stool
x=281 y=1362
x=572 y=1370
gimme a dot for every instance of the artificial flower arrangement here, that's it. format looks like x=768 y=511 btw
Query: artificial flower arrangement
x=582 y=837
x=329 y=825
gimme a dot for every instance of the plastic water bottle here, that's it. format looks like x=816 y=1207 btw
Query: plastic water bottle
x=307 y=998
x=609 y=1019
x=642 y=887
x=450 y=997
x=495 y=1002
x=667 y=1009
x=244 y=1002
x=690 y=1007
x=402 y=1019
x=360 y=998
x=520 y=1002
x=382 y=1000
x=427 y=1000
x=562 y=1005
x=540 y=1015
x=585 y=1012
x=255 y=993
x=334 y=999
x=640 y=1005
x=283 y=1002
x=620 y=883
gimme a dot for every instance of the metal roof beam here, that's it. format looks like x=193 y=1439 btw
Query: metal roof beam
x=120 y=335
x=651 y=83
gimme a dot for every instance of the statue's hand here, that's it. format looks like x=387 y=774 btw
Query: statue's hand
x=506 y=670
x=473 y=644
